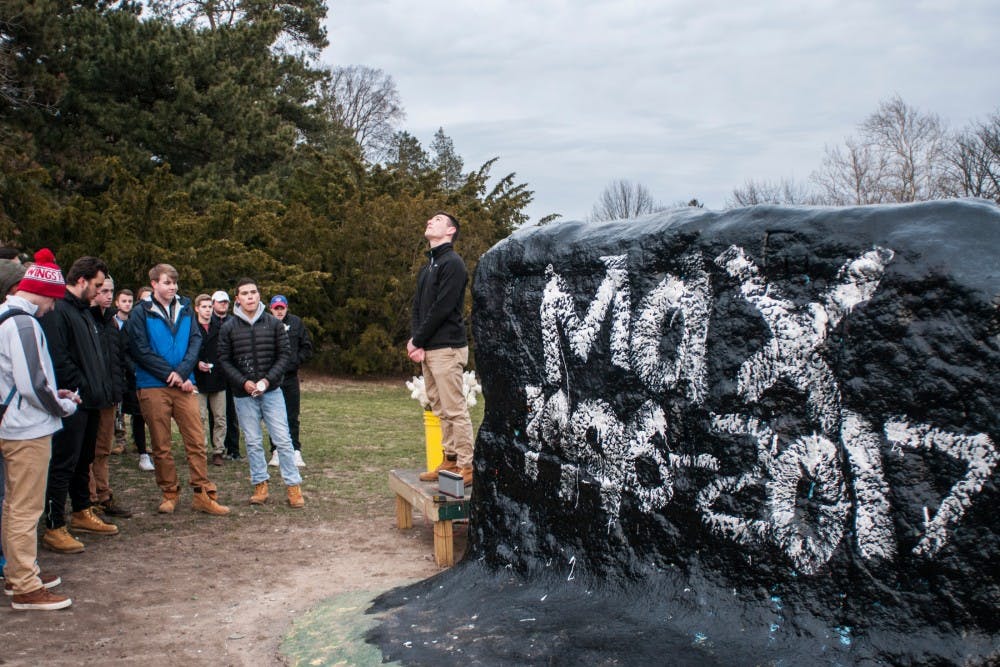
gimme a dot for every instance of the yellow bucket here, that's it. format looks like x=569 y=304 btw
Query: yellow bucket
x=432 y=435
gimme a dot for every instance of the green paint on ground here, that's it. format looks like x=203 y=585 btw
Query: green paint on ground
x=333 y=634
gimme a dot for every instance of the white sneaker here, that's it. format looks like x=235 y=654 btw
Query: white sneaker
x=298 y=459
x=274 y=459
x=145 y=463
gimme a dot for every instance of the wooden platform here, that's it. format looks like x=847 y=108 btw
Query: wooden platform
x=441 y=510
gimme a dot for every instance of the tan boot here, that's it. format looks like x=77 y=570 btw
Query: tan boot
x=259 y=496
x=295 y=498
x=205 y=502
x=168 y=503
x=466 y=474
x=60 y=541
x=450 y=463
x=85 y=521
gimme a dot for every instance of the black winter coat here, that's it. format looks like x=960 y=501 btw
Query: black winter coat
x=253 y=350
x=299 y=343
x=130 y=401
x=437 y=321
x=112 y=339
x=77 y=352
x=214 y=380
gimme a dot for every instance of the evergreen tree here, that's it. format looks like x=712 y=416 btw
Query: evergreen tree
x=446 y=161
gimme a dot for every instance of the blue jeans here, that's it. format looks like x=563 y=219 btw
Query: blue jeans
x=269 y=408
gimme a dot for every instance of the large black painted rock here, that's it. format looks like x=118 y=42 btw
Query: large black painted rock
x=759 y=435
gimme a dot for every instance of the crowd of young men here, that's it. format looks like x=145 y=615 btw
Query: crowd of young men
x=74 y=356
x=70 y=360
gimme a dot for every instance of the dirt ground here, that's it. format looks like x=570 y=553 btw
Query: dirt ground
x=200 y=590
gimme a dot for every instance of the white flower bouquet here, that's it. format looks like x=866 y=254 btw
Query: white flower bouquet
x=470 y=387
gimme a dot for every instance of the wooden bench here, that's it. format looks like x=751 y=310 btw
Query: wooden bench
x=441 y=510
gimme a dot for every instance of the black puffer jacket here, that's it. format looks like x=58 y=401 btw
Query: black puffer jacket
x=437 y=320
x=253 y=349
x=78 y=353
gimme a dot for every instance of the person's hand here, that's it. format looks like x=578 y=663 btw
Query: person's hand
x=187 y=386
x=71 y=395
x=204 y=367
x=174 y=379
x=416 y=354
x=250 y=387
x=263 y=385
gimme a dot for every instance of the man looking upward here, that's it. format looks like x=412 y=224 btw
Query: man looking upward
x=439 y=343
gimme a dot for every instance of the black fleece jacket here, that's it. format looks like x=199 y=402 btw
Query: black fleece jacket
x=437 y=320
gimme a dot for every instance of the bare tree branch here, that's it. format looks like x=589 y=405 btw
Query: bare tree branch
x=900 y=155
x=973 y=162
x=364 y=101
x=782 y=193
x=622 y=200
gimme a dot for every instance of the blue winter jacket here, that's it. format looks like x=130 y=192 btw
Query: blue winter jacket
x=160 y=346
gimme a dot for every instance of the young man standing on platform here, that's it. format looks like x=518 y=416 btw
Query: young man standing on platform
x=164 y=339
x=439 y=343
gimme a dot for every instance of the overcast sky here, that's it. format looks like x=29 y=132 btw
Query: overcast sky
x=688 y=97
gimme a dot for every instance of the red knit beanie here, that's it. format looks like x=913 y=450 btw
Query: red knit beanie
x=44 y=277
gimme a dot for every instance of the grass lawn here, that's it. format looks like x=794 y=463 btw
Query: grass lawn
x=352 y=432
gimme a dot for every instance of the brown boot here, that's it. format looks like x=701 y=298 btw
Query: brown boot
x=450 y=463
x=60 y=541
x=217 y=459
x=466 y=474
x=85 y=521
x=295 y=498
x=205 y=502
x=259 y=496
x=168 y=503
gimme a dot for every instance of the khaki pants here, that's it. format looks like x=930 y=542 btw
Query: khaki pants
x=159 y=405
x=443 y=382
x=100 y=483
x=216 y=402
x=27 y=464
